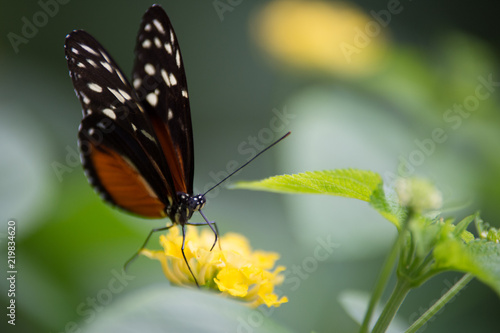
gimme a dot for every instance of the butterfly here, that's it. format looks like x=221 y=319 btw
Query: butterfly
x=136 y=140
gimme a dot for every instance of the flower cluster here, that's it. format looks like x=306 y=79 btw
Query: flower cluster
x=418 y=194
x=231 y=268
x=333 y=37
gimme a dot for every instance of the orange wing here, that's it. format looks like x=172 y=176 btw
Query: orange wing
x=126 y=169
x=124 y=184
x=173 y=157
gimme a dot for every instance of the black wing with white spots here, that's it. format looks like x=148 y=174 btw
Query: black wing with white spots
x=119 y=146
x=160 y=82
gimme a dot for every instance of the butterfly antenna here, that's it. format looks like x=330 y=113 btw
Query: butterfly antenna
x=244 y=165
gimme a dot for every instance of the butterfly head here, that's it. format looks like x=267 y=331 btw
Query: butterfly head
x=188 y=204
x=196 y=202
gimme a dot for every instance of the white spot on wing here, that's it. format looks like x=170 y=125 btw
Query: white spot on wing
x=159 y=26
x=121 y=77
x=110 y=113
x=178 y=58
x=105 y=57
x=152 y=99
x=81 y=65
x=170 y=114
x=137 y=83
x=150 y=69
x=165 y=77
x=168 y=48
x=124 y=94
x=91 y=62
x=147 y=135
x=157 y=42
x=75 y=51
x=172 y=78
x=133 y=127
x=147 y=27
x=117 y=95
x=84 y=97
x=107 y=66
x=89 y=49
x=184 y=93
x=146 y=44
x=172 y=36
x=95 y=87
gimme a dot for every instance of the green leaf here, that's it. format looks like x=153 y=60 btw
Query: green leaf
x=486 y=231
x=479 y=257
x=350 y=183
x=389 y=209
x=453 y=248
x=429 y=235
x=461 y=227
x=163 y=308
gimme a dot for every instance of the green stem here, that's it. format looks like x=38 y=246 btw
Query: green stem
x=399 y=293
x=384 y=276
x=440 y=303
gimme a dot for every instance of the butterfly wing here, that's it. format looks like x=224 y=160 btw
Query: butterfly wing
x=160 y=81
x=121 y=155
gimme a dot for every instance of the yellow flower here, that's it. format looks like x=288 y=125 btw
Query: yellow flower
x=233 y=269
x=329 y=36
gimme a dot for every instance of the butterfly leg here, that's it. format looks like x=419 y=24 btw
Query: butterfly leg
x=211 y=224
x=125 y=267
x=216 y=236
x=185 y=259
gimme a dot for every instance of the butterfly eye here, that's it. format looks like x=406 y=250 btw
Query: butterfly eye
x=197 y=202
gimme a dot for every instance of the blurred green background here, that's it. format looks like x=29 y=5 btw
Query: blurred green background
x=255 y=70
